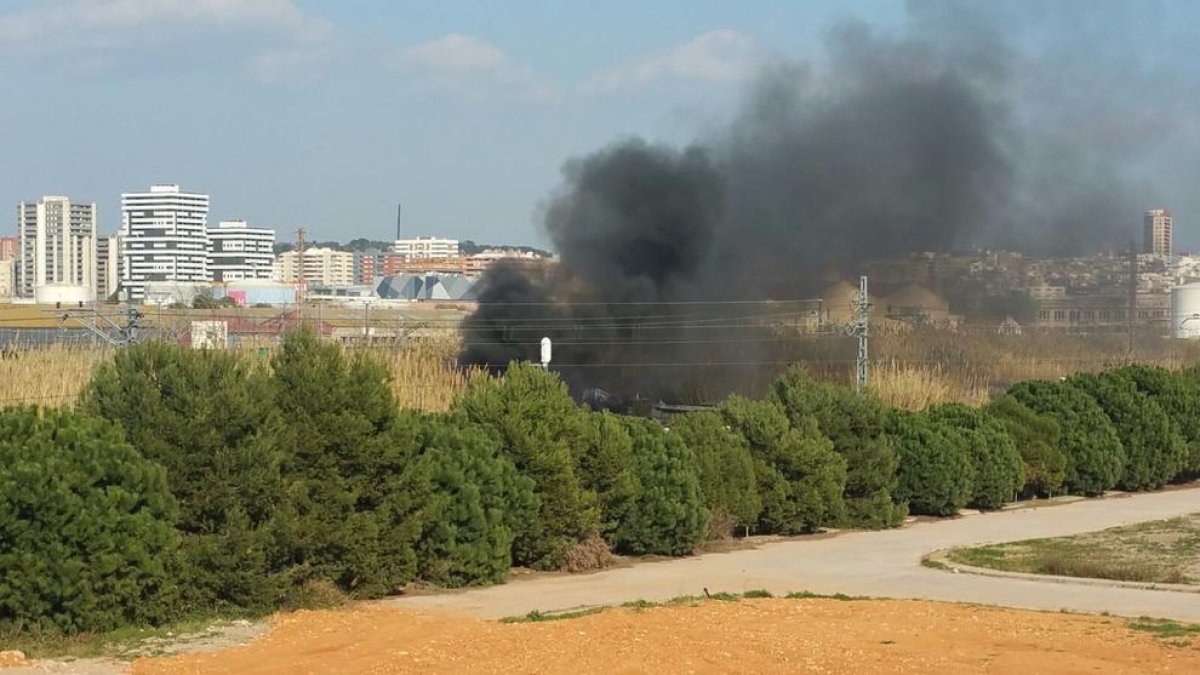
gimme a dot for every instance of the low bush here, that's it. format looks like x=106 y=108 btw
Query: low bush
x=589 y=555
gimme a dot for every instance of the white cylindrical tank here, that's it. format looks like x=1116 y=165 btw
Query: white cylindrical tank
x=71 y=294
x=1185 y=311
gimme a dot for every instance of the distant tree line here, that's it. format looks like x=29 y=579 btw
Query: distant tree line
x=465 y=246
x=352 y=245
x=190 y=483
x=468 y=247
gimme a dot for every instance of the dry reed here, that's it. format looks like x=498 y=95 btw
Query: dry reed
x=917 y=388
x=48 y=376
x=425 y=375
x=912 y=370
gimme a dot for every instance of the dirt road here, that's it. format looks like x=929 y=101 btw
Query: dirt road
x=878 y=564
x=747 y=636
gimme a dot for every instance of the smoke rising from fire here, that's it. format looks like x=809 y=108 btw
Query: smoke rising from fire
x=890 y=145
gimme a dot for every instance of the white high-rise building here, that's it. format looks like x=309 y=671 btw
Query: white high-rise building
x=426 y=247
x=237 y=251
x=58 y=245
x=163 y=238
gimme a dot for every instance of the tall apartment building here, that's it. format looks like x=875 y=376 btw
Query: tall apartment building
x=163 y=238
x=320 y=267
x=237 y=251
x=108 y=267
x=368 y=266
x=10 y=247
x=1158 y=225
x=7 y=271
x=58 y=245
x=426 y=247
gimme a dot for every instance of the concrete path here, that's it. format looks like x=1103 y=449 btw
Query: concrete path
x=877 y=564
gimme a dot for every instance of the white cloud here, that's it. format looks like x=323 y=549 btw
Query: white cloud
x=467 y=62
x=455 y=53
x=717 y=56
x=98 y=29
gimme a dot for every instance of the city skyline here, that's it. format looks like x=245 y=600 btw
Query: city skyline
x=323 y=115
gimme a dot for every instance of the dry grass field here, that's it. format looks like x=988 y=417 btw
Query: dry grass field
x=910 y=369
x=1161 y=551
x=49 y=376
x=423 y=374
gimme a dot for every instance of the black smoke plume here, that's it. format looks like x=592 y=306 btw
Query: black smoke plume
x=891 y=145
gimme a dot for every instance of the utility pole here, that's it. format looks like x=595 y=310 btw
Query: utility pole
x=1133 y=288
x=399 y=211
x=366 y=323
x=103 y=326
x=861 y=329
x=132 y=320
x=300 y=275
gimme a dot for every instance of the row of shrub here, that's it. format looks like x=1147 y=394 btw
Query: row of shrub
x=197 y=482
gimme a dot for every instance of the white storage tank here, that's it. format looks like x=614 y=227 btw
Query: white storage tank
x=62 y=294
x=1185 y=311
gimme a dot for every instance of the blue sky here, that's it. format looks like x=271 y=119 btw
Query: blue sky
x=326 y=113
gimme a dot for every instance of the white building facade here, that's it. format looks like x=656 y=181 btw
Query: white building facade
x=320 y=267
x=237 y=252
x=58 y=245
x=426 y=247
x=163 y=238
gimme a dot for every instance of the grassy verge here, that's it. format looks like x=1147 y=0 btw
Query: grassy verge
x=1164 y=628
x=119 y=643
x=1161 y=552
x=1169 y=632
x=681 y=600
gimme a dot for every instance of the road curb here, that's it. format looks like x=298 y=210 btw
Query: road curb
x=942 y=561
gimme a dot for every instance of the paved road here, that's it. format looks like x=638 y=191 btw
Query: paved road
x=878 y=564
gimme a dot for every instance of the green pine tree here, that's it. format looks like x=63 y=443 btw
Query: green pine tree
x=668 y=516
x=543 y=432
x=87 y=527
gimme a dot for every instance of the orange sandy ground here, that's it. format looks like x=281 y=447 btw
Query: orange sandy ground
x=748 y=636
